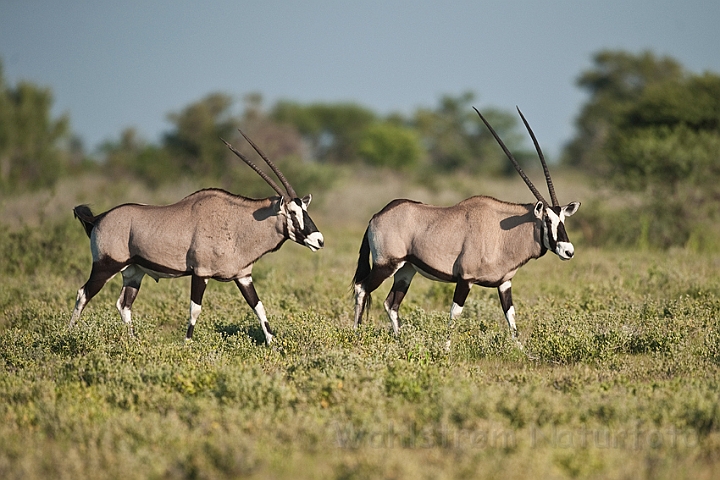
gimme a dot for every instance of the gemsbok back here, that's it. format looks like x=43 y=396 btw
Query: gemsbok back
x=208 y=234
x=480 y=241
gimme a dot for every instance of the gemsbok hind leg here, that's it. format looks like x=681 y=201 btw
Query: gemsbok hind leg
x=101 y=273
x=251 y=297
x=369 y=284
x=197 y=290
x=132 y=279
x=401 y=283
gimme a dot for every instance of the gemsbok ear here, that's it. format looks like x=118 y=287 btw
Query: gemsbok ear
x=539 y=209
x=571 y=208
x=306 y=200
x=280 y=204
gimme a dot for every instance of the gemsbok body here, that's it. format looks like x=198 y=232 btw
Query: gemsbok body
x=210 y=234
x=480 y=241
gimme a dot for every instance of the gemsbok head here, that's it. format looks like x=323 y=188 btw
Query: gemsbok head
x=480 y=241
x=208 y=234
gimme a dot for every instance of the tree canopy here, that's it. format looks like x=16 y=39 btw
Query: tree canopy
x=649 y=126
x=30 y=140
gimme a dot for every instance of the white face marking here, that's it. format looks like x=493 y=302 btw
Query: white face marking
x=554 y=221
x=314 y=241
x=564 y=250
x=297 y=212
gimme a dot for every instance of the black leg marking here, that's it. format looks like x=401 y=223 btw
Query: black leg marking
x=401 y=283
x=132 y=279
x=369 y=284
x=197 y=290
x=248 y=291
x=505 y=293
x=102 y=271
x=462 y=290
x=505 y=299
x=270 y=330
x=251 y=297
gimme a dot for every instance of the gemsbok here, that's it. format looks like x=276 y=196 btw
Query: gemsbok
x=208 y=234
x=480 y=241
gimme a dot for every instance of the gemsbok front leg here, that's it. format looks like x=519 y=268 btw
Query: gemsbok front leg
x=462 y=289
x=132 y=279
x=247 y=289
x=505 y=292
x=197 y=290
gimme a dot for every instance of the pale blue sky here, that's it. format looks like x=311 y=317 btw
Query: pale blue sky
x=118 y=64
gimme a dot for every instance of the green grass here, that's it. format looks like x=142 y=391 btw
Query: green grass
x=620 y=376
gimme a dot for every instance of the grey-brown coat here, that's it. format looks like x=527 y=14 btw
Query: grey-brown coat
x=480 y=241
x=210 y=234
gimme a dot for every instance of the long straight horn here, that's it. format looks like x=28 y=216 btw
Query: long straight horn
x=281 y=177
x=551 y=189
x=512 y=159
x=262 y=174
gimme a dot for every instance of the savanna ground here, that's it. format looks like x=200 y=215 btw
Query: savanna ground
x=619 y=378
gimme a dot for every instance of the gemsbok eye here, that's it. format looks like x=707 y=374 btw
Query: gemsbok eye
x=210 y=234
x=479 y=241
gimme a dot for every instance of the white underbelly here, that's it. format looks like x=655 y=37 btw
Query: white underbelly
x=427 y=275
x=158 y=275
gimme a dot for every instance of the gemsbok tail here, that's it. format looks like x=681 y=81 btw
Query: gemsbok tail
x=86 y=217
x=363 y=266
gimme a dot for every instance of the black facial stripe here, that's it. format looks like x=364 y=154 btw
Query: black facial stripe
x=299 y=234
x=551 y=240
x=562 y=234
x=309 y=224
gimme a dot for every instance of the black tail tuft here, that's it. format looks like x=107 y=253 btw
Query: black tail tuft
x=363 y=266
x=86 y=217
x=363 y=270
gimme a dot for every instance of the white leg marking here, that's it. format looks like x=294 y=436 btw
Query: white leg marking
x=393 y=314
x=510 y=316
x=80 y=303
x=359 y=303
x=262 y=316
x=194 y=312
x=125 y=312
x=503 y=287
x=455 y=311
